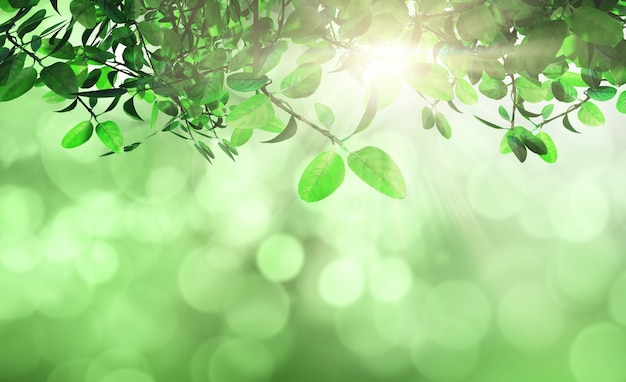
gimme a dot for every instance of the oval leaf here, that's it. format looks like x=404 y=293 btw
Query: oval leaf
x=377 y=169
x=60 y=78
x=246 y=82
x=321 y=177
x=590 y=115
x=18 y=85
x=111 y=135
x=78 y=135
x=252 y=113
x=442 y=125
x=302 y=82
x=551 y=155
x=287 y=133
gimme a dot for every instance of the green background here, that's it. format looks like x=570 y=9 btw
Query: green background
x=155 y=266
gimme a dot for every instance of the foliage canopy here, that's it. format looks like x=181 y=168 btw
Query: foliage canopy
x=188 y=57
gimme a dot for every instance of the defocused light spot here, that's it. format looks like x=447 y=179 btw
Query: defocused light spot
x=390 y=279
x=442 y=364
x=529 y=319
x=151 y=176
x=127 y=375
x=114 y=359
x=597 y=354
x=62 y=241
x=21 y=210
x=533 y=217
x=399 y=321
x=496 y=190
x=617 y=180
x=617 y=299
x=155 y=225
x=280 y=257
x=56 y=340
x=581 y=276
x=579 y=212
x=19 y=252
x=142 y=319
x=357 y=331
x=71 y=371
x=341 y=282
x=206 y=288
x=98 y=264
x=241 y=360
x=456 y=314
x=59 y=291
x=261 y=310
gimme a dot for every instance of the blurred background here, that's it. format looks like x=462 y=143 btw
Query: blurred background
x=154 y=266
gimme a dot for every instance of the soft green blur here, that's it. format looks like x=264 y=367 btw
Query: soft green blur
x=154 y=266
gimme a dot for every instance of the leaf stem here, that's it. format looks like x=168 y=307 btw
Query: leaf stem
x=284 y=106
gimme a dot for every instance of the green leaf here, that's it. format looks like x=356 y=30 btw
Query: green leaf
x=33 y=22
x=621 y=102
x=602 y=93
x=168 y=107
x=547 y=110
x=590 y=115
x=321 y=177
x=111 y=135
x=465 y=92
x=151 y=32
x=78 y=135
x=493 y=89
x=129 y=109
x=428 y=118
x=246 y=82
x=442 y=125
x=302 y=82
x=568 y=125
x=551 y=155
x=239 y=137
x=563 y=91
x=325 y=115
x=202 y=152
x=595 y=26
x=60 y=78
x=533 y=143
x=84 y=11
x=493 y=125
x=252 y=113
x=477 y=23
x=377 y=169
x=529 y=90
x=302 y=22
x=275 y=125
x=504 y=113
x=154 y=115
x=288 y=132
x=18 y=85
x=431 y=80
x=517 y=146
x=504 y=143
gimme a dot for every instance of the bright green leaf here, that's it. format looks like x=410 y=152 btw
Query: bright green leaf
x=246 y=82
x=442 y=125
x=590 y=115
x=325 y=115
x=18 y=85
x=302 y=82
x=252 y=113
x=602 y=93
x=428 y=118
x=621 y=102
x=239 y=137
x=377 y=169
x=78 y=135
x=551 y=155
x=465 y=92
x=111 y=135
x=321 y=177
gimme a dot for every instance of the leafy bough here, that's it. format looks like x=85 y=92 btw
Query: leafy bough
x=186 y=58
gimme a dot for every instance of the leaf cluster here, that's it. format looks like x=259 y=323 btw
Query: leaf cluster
x=544 y=61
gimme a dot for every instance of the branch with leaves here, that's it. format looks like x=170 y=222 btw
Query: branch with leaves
x=189 y=59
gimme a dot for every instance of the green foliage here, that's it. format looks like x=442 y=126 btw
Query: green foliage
x=208 y=66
